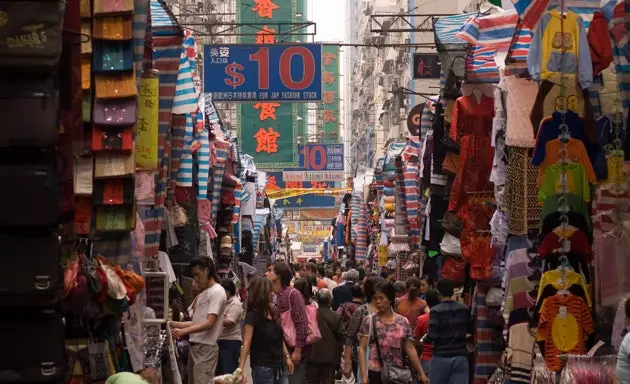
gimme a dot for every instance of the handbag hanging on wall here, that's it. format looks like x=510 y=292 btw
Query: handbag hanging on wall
x=30 y=37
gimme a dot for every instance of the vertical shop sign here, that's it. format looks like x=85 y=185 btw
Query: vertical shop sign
x=329 y=119
x=268 y=131
x=147 y=123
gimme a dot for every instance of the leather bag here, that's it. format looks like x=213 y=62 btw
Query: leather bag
x=30 y=272
x=29 y=192
x=30 y=35
x=40 y=357
x=30 y=112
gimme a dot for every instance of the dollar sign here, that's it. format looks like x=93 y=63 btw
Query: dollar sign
x=235 y=78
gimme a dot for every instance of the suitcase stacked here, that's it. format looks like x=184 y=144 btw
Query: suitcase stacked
x=32 y=332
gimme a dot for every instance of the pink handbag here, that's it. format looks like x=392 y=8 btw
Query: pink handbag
x=288 y=327
x=115 y=112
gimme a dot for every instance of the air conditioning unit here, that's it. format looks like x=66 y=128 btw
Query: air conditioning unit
x=387 y=82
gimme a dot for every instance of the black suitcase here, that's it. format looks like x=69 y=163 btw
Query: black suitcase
x=30 y=271
x=29 y=192
x=34 y=347
x=30 y=106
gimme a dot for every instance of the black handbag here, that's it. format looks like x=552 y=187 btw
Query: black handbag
x=30 y=272
x=29 y=193
x=30 y=109
x=40 y=355
x=30 y=35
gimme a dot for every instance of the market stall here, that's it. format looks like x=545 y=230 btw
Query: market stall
x=519 y=178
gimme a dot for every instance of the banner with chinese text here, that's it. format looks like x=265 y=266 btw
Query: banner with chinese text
x=328 y=110
x=147 y=124
x=269 y=131
x=275 y=181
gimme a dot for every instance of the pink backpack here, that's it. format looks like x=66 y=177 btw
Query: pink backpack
x=288 y=327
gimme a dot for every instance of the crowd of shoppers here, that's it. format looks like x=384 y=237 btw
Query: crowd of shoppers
x=313 y=324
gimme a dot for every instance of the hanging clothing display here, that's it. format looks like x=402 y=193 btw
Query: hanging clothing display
x=523 y=172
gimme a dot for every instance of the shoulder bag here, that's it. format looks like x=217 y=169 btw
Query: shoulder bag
x=288 y=327
x=391 y=374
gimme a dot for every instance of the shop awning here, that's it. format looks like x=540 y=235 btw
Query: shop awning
x=161 y=16
x=489 y=31
x=447 y=27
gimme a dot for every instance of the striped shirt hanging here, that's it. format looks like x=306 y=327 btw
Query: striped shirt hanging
x=615 y=13
x=140 y=30
x=185 y=173
x=203 y=163
x=516 y=59
x=490 y=31
x=446 y=27
x=480 y=65
x=186 y=96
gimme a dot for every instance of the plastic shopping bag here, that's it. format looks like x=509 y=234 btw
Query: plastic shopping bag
x=230 y=378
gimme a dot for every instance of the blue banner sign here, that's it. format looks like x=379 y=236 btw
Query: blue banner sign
x=263 y=73
x=275 y=179
x=321 y=157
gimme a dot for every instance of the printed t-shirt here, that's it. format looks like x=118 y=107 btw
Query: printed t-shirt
x=576 y=153
x=209 y=302
x=549 y=129
x=554 y=278
x=560 y=45
x=565 y=323
x=576 y=181
x=578 y=242
x=411 y=309
x=422 y=327
x=575 y=202
x=391 y=338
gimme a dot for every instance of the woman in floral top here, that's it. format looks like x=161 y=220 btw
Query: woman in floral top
x=350 y=355
x=392 y=332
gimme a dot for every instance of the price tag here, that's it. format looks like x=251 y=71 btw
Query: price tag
x=83 y=176
x=562 y=312
x=566 y=246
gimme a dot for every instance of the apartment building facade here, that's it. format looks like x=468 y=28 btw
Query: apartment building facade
x=379 y=72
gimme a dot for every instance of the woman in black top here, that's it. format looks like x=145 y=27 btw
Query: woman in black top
x=264 y=338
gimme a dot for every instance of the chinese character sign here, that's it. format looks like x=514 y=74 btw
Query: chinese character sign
x=264 y=72
x=147 y=124
x=328 y=109
x=267 y=134
x=268 y=126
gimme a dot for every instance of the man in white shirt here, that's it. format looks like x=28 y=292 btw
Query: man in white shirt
x=206 y=325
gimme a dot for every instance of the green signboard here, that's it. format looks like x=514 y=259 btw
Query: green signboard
x=328 y=110
x=271 y=132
